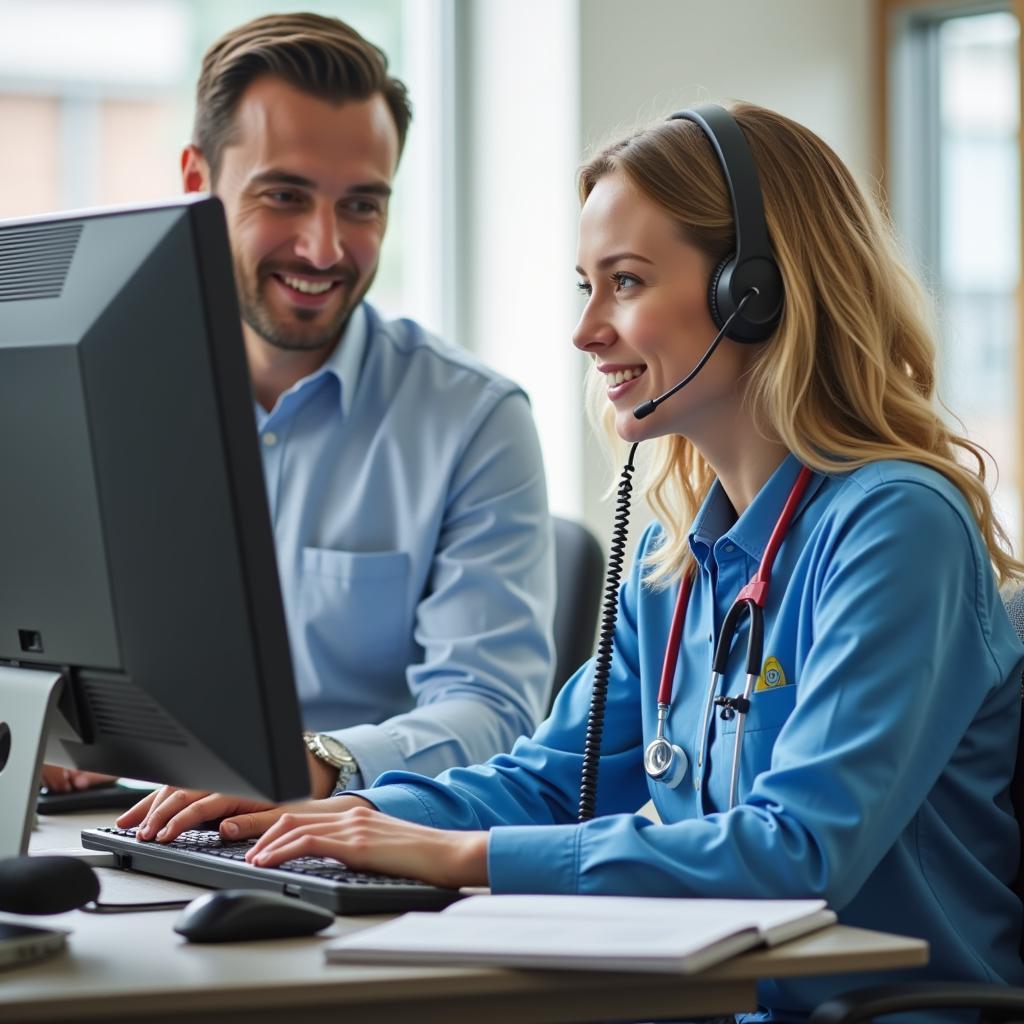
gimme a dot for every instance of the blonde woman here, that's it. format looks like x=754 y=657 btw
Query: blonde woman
x=880 y=718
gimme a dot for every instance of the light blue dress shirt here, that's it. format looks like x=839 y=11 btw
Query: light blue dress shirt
x=874 y=775
x=414 y=548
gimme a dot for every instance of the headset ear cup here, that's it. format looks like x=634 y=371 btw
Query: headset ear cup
x=720 y=311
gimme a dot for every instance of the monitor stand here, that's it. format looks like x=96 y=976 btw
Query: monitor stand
x=27 y=696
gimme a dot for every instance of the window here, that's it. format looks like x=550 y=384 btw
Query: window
x=96 y=103
x=953 y=177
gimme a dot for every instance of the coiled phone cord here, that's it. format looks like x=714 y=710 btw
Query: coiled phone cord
x=603 y=658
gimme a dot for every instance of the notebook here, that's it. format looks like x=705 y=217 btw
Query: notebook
x=615 y=933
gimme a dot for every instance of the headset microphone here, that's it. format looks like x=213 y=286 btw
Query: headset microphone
x=644 y=409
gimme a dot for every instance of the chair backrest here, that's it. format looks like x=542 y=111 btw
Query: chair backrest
x=1015 y=609
x=579 y=572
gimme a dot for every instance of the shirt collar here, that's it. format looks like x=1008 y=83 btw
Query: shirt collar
x=346 y=361
x=752 y=530
x=344 y=364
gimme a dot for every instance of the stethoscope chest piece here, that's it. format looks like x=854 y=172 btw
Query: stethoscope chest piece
x=665 y=762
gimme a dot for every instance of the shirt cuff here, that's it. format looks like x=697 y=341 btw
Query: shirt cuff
x=534 y=858
x=398 y=802
x=374 y=750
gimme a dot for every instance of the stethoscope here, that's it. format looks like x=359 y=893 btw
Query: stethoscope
x=664 y=761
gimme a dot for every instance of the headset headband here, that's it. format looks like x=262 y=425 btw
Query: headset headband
x=753 y=265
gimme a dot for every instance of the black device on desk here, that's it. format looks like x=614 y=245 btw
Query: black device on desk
x=241 y=915
x=142 y=630
x=105 y=796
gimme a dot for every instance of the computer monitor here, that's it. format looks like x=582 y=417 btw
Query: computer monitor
x=142 y=630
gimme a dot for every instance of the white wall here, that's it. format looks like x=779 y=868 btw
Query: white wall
x=809 y=59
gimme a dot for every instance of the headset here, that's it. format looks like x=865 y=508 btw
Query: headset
x=752 y=266
x=745 y=298
x=745 y=293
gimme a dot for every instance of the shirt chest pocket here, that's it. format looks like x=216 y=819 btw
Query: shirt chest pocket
x=769 y=711
x=356 y=609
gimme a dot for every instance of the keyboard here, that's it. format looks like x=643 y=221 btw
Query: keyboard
x=203 y=858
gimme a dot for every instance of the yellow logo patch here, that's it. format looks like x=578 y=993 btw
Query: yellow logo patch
x=772 y=676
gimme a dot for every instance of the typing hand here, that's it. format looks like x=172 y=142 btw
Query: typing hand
x=368 y=840
x=168 y=812
x=63 y=780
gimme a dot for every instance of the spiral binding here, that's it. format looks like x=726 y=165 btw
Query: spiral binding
x=603 y=658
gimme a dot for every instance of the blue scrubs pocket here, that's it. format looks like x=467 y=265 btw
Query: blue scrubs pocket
x=769 y=710
x=356 y=608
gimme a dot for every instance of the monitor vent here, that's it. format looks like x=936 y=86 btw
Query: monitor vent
x=119 y=709
x=35 y=260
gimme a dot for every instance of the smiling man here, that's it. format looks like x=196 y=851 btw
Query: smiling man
x=305 y=183
x=404 y=478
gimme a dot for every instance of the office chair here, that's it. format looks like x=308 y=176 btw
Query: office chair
x=996 y=1003
x=579 y=575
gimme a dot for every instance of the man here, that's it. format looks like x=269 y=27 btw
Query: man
x=405 y=480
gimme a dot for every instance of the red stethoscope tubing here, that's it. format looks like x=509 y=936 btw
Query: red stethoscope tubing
x=675 y=636
x=754 y=593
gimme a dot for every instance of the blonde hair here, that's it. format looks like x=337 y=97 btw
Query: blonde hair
x=848 y=377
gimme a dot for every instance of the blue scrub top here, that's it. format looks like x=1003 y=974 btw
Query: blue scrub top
x=878 y=750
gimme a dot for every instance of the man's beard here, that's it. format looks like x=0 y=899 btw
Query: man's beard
x=256 y=313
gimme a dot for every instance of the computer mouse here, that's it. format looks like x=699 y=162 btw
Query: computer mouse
x=238 y=915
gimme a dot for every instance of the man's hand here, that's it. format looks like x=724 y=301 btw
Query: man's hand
x=366 y=839
x=168 y=812
x=64 y=780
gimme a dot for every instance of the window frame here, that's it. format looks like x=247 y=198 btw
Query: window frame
x=894 y=19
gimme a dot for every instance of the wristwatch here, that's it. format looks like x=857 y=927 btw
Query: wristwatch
x=334 y=753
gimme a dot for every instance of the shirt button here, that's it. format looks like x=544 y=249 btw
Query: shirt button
x=730 y=547
x=270 y=439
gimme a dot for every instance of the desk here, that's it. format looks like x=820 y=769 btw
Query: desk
x=134 y=967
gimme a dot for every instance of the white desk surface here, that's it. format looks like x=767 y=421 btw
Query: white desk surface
x=133 y=966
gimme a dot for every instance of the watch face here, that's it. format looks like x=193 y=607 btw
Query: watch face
x=336 y=750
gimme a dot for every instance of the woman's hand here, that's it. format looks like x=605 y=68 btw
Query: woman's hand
x=366 y=839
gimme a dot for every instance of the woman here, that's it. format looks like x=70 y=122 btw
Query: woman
x=879 y=730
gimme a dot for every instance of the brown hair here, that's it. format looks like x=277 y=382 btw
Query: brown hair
x=321 y=56
x=849 y=375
